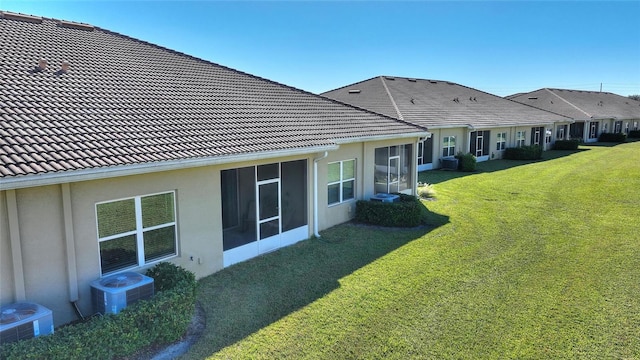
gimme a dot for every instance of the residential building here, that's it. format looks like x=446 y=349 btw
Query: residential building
x=117 y=154
x=460 y=118
x=593 y=112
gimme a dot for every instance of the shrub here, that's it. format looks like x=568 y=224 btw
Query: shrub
x=408 y=212
x=466 y=162
x=426 y=191
x=167 y=275
x=612 y=137
x=566 y=145
x=530 y=152
x=161 y=319
x=634 y=134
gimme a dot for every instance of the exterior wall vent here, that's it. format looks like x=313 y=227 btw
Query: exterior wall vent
x=75 y=25
x=21 y=17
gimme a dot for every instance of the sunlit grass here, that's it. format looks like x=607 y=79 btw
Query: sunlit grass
x=539 y=260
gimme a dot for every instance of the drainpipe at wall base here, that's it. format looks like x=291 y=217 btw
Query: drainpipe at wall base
x=315 y=193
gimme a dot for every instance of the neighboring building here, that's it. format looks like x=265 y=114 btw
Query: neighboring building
x=460 y=118
x=116 y=154
x=594 y=112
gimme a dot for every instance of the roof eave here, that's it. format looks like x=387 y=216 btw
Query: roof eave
x=383 y=137
x=34 y=180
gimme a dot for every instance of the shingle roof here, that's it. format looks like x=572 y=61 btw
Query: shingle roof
x=437 y=103
x=124 y=101
x=579 y=104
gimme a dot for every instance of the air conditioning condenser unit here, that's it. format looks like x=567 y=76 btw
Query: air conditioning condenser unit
x=24 y=320
x=384 y=197
x=113 y=293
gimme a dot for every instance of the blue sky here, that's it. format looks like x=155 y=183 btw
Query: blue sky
x=502 y=47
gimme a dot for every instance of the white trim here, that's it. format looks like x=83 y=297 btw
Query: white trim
x=26 y=181
x=138 y=231
x=342 y=181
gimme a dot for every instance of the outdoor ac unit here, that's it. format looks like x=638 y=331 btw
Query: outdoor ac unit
x=113 y=293
x=384 y=197
x=450 y=163
x=24 y=320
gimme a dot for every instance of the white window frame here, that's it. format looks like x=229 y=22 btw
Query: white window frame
x=139 y=231
x=593 y=130
x=342 y=181
x=521 y=138
x=446 y=144
x=501 y=144
x=421 y=145
x=617 y=127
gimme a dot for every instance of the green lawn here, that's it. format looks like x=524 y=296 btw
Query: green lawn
x=535 y=261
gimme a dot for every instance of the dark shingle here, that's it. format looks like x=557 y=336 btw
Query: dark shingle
x=436 y=103
x=581 y=104
x=124 y=101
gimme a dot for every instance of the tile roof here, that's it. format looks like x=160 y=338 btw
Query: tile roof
x=579 y=104
x=123 y=101
x=437 y=103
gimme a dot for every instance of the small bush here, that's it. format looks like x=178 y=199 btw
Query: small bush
x=613 y=137
x=466 y=162
x=161 y=319
x=167 y=275
x=530 y=152
x=566 y=145
x=408 y=212
x=426 y=191
x=634 y=134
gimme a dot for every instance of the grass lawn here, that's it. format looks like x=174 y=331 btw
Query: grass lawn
x=535 y=261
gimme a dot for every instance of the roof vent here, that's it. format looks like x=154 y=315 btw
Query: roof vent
x=532 y=98
x=413 y=101
x=474 y=99
x=42 y=65
x=433 y=81
x=390 y=78
x=21 y=17
x=354 y=91
x=412 y=79
x=75 y=25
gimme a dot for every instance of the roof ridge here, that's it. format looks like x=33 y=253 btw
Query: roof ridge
x=393 y=102
x=566 y=101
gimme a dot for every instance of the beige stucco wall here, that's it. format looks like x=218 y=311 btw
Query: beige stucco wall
x=43 y=242
x=462 y=141
x=43 y=239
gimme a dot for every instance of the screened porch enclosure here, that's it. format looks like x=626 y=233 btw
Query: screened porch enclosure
x=264 y=207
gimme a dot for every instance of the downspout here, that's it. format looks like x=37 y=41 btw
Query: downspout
x=70 y=248
x=315 y=193
x=16 y=247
